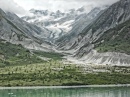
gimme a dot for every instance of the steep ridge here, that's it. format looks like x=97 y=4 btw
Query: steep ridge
x=109 y=35
x=111 y=18
x=16 y=31
x=71 y=40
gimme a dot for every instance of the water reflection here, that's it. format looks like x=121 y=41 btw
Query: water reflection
x=68 y=92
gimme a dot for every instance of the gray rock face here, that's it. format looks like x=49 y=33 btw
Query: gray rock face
x=73 y=39
x=108 y=58
x=15 y=30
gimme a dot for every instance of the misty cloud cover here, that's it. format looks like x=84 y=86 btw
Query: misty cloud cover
x=21 y=6
x=11 y=6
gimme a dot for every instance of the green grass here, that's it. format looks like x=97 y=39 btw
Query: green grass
x=11 y=54
x=56 y=73
x=122 y=47
x=52 y=55
x=115 y=40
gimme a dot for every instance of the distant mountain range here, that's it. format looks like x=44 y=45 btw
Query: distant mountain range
x=101 y=36
x=59 y=23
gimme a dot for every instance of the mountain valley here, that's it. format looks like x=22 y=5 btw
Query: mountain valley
x=75 y=47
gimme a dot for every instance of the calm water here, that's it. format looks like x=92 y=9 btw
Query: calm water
x=68 y=92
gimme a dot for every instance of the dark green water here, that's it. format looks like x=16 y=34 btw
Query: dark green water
x=68 y=92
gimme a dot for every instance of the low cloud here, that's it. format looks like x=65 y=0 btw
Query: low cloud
x=65 y=4
x=11 y=6
x=21 y=6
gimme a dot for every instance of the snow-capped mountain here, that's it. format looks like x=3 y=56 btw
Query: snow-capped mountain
x=59 y=23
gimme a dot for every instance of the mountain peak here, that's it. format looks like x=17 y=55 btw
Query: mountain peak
x=39 y=12
x=82 y=9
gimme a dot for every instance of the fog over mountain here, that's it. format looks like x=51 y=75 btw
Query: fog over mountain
x=11 y=6
x=21 y=6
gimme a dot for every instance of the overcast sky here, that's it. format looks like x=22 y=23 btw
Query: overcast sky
x=22 y=6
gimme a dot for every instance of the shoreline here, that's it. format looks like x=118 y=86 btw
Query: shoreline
x=63 y=87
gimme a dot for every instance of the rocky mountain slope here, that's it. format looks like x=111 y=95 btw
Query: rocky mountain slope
x=69 y=41
x=16 y=31
x=101 y=36
x=108 y=34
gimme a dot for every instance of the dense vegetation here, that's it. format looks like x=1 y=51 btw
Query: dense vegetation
x=21 y=67
x=52 y=55
x=56 y=73
x=116 y=39
x=11 y=54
